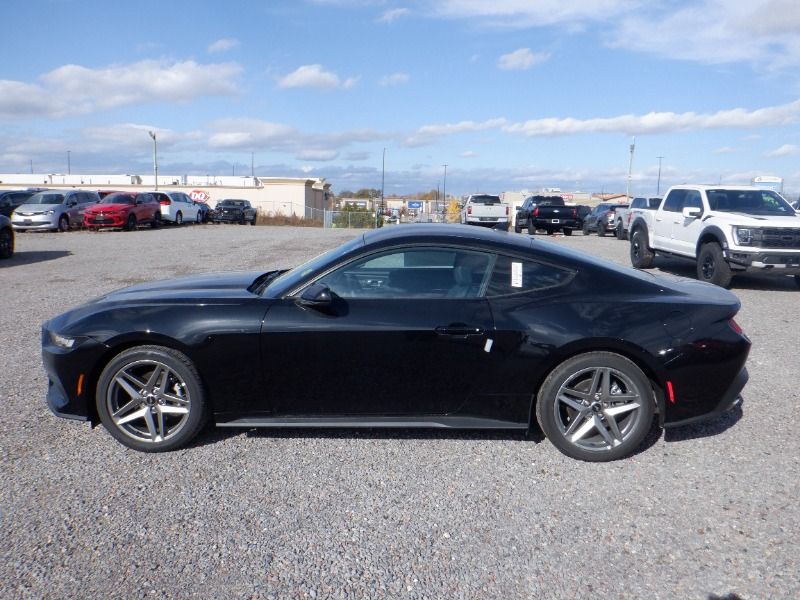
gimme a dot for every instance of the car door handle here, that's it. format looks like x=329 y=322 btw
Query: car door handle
x=459 y=329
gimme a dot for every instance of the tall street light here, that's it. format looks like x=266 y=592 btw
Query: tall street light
x=630 y=170
x=155 y=156
x=69 y=165
x=444 y=186
x=383 y=177
x=658 y=185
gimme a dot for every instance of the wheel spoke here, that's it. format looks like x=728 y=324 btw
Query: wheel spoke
x=577 y=393
x=614 y=427
x=618 y=410
x=574 y=404
x=598 y=423
x=173 y=410
x=606 y=383
x=577 y=420
x=583 y=430
x=175 y=399
x=128 y=407
x=596 y=381
x=131 y=416
x=129 y=389
x=151 y=425
x=153 y=379
x=162 y=428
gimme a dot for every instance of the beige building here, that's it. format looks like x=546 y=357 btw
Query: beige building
x=286 y=196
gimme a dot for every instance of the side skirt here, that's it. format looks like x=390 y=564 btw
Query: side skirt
x=376 y=422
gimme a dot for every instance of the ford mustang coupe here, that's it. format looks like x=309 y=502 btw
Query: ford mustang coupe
x=415 y=326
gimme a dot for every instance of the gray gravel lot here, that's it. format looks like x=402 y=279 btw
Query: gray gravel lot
x=706 y=511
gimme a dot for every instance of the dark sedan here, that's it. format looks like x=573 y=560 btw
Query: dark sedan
x=419 y=326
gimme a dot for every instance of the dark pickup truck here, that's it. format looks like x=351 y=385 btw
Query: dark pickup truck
x=547 y=213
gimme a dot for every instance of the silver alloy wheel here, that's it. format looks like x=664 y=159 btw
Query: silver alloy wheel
x=148 y=401
x=598 y=408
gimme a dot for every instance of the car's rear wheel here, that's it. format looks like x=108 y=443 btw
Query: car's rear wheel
x=199 y=218
x=596 y=406
x=517 y=227
x=797 y=280
x=601 y=230
x=150 y=398
x=712 y=266
x=641 y=254
x=585 y=229
x=620 y=231
x=130 y=224
x=156 y=222
x=179 y=218
x=567 y=231
x=6 y=243
x=531 y=228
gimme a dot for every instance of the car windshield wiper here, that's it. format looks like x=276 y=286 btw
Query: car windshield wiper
x=262 y=281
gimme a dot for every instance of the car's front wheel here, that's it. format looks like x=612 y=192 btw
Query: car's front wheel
x=150 y=398
x=597 y=406
x=585 y=229
x=712 y=266
x=567 y=231
x=620 y=231
x=130 y=224
x=63 y=224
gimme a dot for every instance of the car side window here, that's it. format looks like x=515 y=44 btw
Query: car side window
x=414 y=273
x=692 y=200
x=674 y=201
x=513 y=275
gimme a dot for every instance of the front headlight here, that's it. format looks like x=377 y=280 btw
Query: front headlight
x=49 y=212
x=63 y=341
x=746 y=236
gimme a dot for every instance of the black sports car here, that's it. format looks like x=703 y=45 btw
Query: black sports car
x=500 y=330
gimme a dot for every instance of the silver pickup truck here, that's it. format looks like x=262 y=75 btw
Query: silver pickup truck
x=484 y=209
x=625 y=215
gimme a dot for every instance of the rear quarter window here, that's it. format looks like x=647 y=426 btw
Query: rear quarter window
x=512 y=275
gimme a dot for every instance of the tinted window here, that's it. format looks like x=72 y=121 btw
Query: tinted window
x=674 y=201
x=514 y=275
x=692 y=200
x=413 y=273
x=754 y=202
x=46 y=198
x=486 y=199
x=117 y=199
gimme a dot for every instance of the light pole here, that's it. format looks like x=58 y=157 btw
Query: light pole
x=69 y=165
x=383 y=176
x=444 y=186
x=658 y=185
x=155 y=156
x=630 y=169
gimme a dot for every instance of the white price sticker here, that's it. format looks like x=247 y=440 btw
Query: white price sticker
x=516 y=274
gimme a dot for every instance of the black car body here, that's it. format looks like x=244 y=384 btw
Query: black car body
x=234 y=211
x=11 y=199
x=6 y=237
x=499 y=327
x=602 y=219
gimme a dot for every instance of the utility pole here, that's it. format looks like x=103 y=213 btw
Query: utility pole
x=31 y=166
x=383 y=177
x=658 y=185
x=630 y=168
x=253 y=165
x=155 y=156
x=69 y=165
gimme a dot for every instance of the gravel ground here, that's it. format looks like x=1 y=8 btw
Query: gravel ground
x=703 y=512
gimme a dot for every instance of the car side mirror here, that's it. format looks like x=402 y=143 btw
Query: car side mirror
x=317 y=295
x=692 y=212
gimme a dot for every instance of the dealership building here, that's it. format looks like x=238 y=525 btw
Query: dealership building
x=285 y=196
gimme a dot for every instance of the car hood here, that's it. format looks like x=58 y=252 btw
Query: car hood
x=766 y=220
x=190 y=288
x=36 y=207
x=108 y=207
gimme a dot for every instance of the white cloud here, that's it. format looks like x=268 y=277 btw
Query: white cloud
x=317 y=154
x=662 y=122
x=521 y=60
x=785 y=150
x=525 y=13
x=394 y=79
x=427 y=134
x=251 y=133
x=223 y=45
x=468 y=154
x=725 y=150
x=315 y=76
x=390 y=16
x=73 y=89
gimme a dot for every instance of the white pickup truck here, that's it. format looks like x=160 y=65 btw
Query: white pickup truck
x=486 y=210
x=724 y=229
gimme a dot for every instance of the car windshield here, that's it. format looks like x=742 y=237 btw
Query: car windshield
x=117 y=199
x=46 y=198
x=486 y=199
x=752 y=202
x=290 y=279
x=237 y=203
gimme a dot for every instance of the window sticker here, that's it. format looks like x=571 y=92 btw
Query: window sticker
x=516 y=274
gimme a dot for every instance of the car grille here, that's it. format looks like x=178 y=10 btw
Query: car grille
x=780 y=238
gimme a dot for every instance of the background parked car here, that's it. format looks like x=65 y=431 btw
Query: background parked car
x=126 y=210
x=53 y=210
x=177 y=208
x=6 y=237
x=624 y=214
x=582 y=211
x=234 y=211
x=602 y=219
x=11 y=199
x=204 y=210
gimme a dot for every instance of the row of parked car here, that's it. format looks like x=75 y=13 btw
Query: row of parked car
x=61 y=210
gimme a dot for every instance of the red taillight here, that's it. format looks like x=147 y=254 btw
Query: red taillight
x=574 y=213
x=670 y=393
x=469 y=210
x=735 y=326
x=536 y=212
x=165 y=202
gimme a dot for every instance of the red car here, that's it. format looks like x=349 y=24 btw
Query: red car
x=124 y=209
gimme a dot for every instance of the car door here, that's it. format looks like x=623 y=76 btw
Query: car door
x=664 y=219
x=686 y=230
x=406 y=335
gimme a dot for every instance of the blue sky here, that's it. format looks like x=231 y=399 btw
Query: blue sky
x=510 y=94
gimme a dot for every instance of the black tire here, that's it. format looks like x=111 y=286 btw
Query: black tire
x=179 y=219
x=156 y=222
x=517 y=227
x=6 y=243
x=130 y=224
x=712 y=266
x=567 y=231
x=531 y=228
x=63 y=223
x=601 y=230
x=596 y=407
x=198 y=219
x=585 y=229
x=159 y=384
x=253 y=220
x=797 y=280
x=620 y=231
x=641 y=254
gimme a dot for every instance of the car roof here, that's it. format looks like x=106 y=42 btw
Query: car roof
x=444 y=233
x=691 y=186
